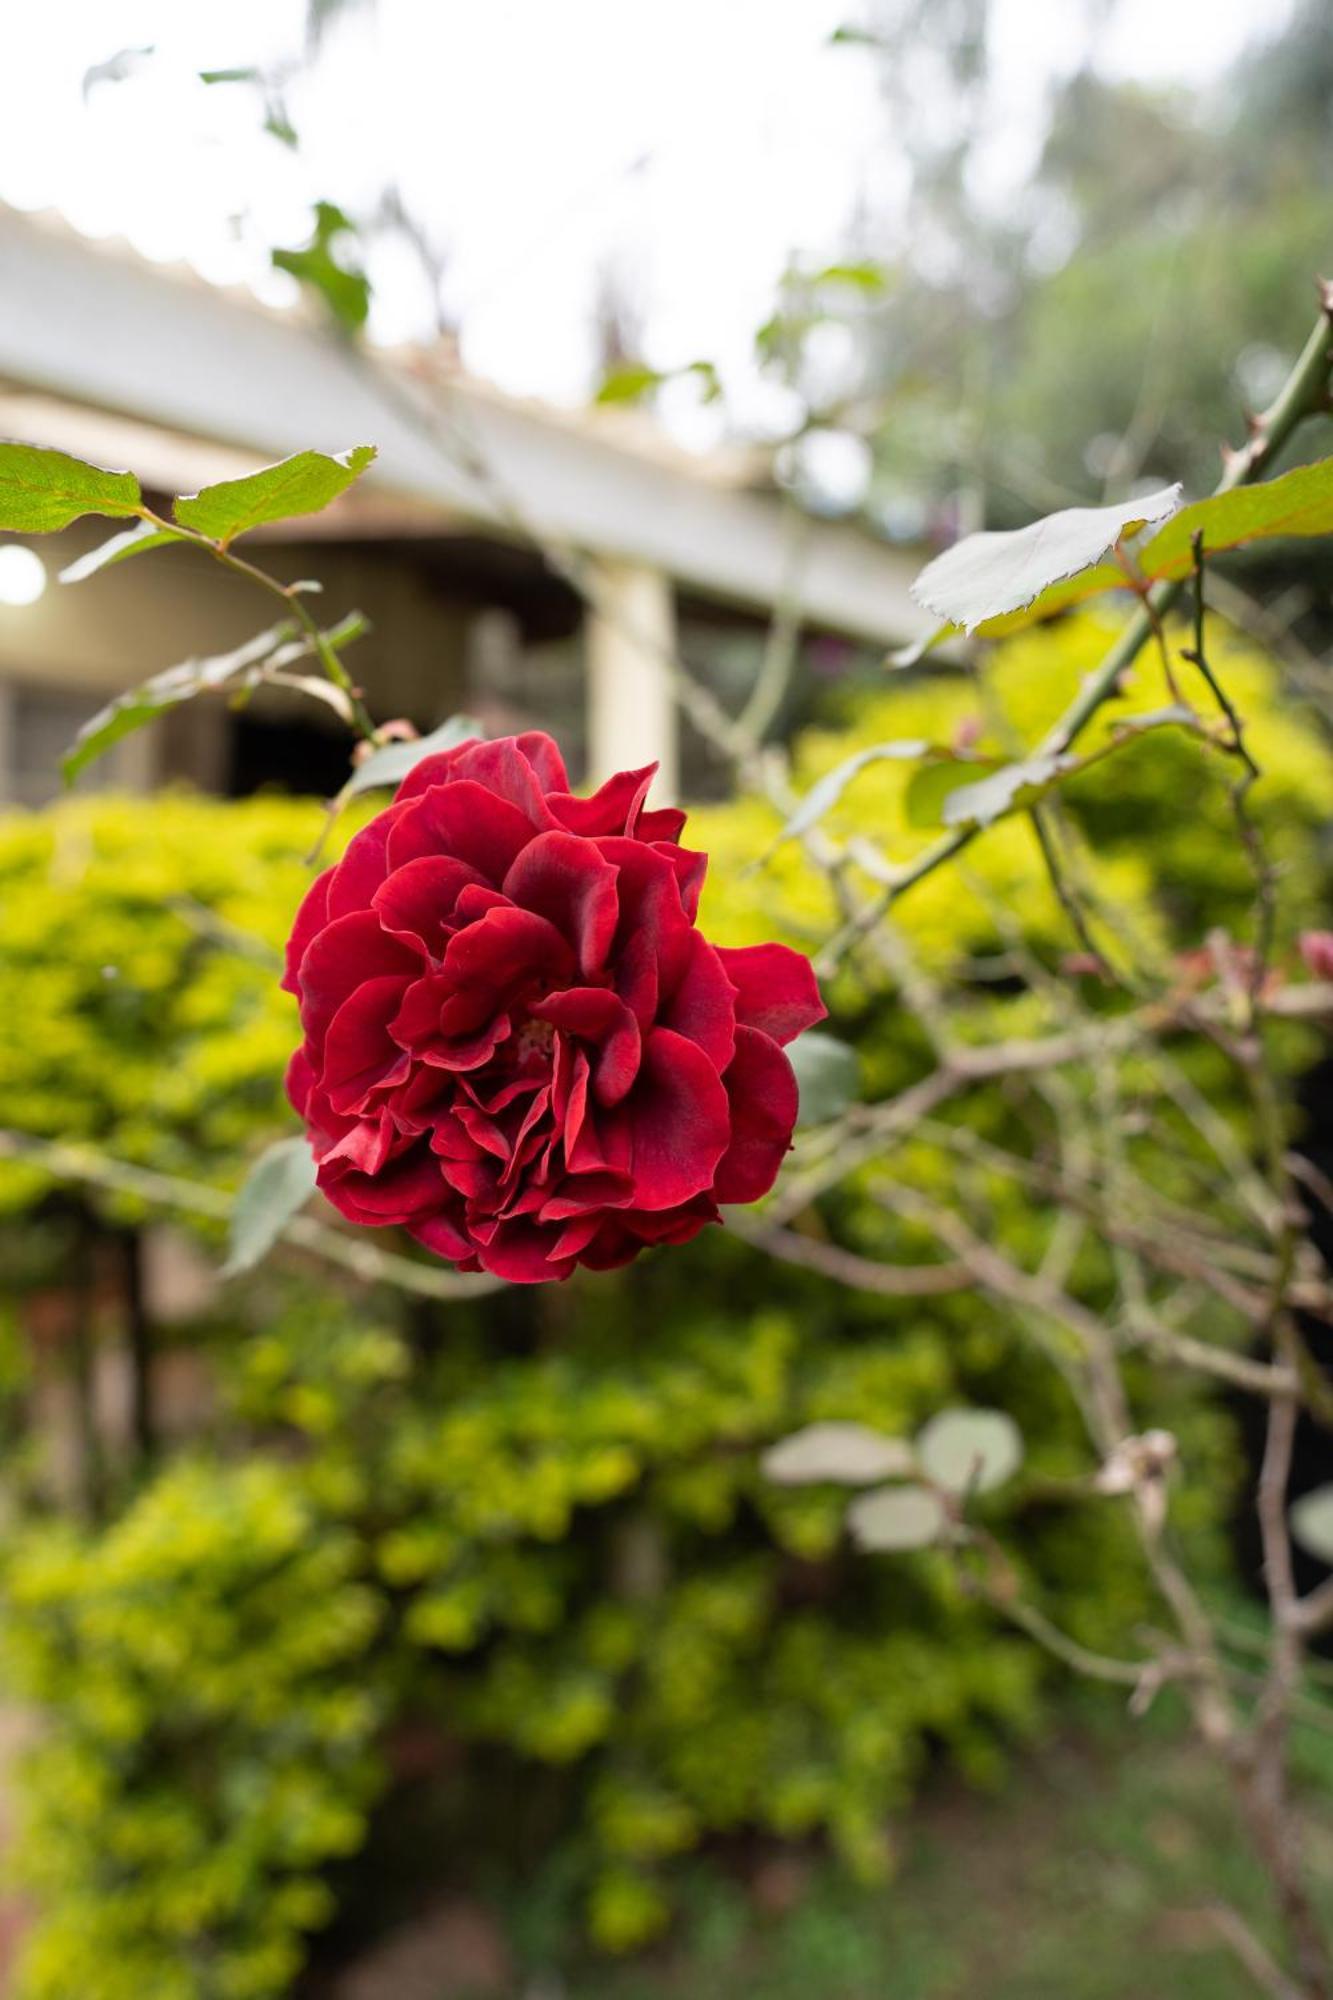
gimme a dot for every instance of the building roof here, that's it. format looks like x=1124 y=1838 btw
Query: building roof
x=145 y=364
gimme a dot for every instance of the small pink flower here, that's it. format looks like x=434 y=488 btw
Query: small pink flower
x=1317 y=951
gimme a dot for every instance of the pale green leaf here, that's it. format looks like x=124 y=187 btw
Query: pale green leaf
x=1299 y=502
x=825 y=794
x=845 y=1454
x=304 y=484
x=1005 y=790
x=897 y=1518
x=828 y=1076
x=140 y=705
x=392 y=764
x=986 y=575
x=135 y=541
x=1312 y=1522
x=42 y=491
x=278 y=1186
x=970 y=1451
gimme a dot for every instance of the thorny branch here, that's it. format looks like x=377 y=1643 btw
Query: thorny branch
x=1216 y=1295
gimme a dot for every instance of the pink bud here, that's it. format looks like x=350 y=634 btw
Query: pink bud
x=1317 y=951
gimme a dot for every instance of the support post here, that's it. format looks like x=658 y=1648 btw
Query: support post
x=630 y=641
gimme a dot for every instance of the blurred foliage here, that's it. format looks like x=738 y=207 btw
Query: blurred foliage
x=1106 y=314
x=530 y=1533
x=139 y=1008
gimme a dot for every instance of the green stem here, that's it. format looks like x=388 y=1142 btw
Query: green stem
x=326 y=654
x=1302 y=394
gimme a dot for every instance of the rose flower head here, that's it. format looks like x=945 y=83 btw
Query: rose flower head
x=517 y=1044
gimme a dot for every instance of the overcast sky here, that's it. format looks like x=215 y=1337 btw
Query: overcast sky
x=695 y=143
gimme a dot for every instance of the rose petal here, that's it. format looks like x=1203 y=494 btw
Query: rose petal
x=776 y=989
x=598 y=1017
x=761 y=1089
x=652 y=942
x=613 y=808
x=444 y=1237
x=359 y=1053
x=566 y=880
x=464 y=820
x=309 y=922
x=362 y=869
x=418 y=899
x=504 y=770
x=407 y=1187
x=523 y=1253
x=703 y=1005
x=346 y=953
x=679 y=1121
x=437 y=769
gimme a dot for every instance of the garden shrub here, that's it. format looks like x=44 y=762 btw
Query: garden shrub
x=536 y=1525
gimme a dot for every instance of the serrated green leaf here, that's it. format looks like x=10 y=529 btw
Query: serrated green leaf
x=1311 y=1520
x=987 y=575
x=140 y=705
x=304 y=484
x=843 y=1454
x=897 y=1518
x=970 y=1451
x=42 y=491
x=1299 y=502
x=828 y=1076
x=1006 y=790
x=135 y=541
x=279 y=1184
x=823 y=796
x=392 y=764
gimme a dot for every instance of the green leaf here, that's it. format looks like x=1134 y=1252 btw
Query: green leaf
x=897 y=1518
x=42 y=491
x=322 y=264
x=135 y=541
x=279 y=1184
x=987 y=575
x=301 y=485
x=1299 y=502
x=1006 y=790
x=845 y=1454
x=935 y=781
x=392 y=764
x=629 y=382
x=970 y=1451
x=912 y=654
x=130 y=711
x=859 y=277
x=1312 y=1522
x=828 y=1076
x=823 y=796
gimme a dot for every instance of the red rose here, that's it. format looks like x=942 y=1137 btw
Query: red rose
x=517 y=1045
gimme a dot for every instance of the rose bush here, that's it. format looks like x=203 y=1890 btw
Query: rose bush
x=517 y=1044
